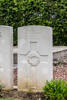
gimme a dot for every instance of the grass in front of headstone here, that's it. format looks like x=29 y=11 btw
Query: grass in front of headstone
x=12 y=99
x=8 y=99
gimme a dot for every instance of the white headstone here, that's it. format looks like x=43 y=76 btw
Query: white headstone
x=34 y=57
x=6 y=56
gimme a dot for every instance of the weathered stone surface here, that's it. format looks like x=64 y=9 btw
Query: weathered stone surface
x=34 y=57
x=6 y=56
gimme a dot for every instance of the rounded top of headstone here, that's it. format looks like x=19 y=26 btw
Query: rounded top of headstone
x=35 y=26
x=4 y=26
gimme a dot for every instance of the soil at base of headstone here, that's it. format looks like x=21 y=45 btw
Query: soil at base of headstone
x=21 y=95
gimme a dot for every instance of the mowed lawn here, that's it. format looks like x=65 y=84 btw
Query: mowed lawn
x=12 y=99
x=9 y=99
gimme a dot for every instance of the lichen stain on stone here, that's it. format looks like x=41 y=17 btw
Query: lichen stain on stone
x=28 y=86
x=5 y=85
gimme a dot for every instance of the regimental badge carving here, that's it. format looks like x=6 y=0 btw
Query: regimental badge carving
x=33 y=59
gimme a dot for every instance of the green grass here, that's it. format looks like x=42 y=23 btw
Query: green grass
x=9 y=99
x=12 y=99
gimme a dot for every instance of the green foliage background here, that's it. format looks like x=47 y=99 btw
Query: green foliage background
x=52 y=13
